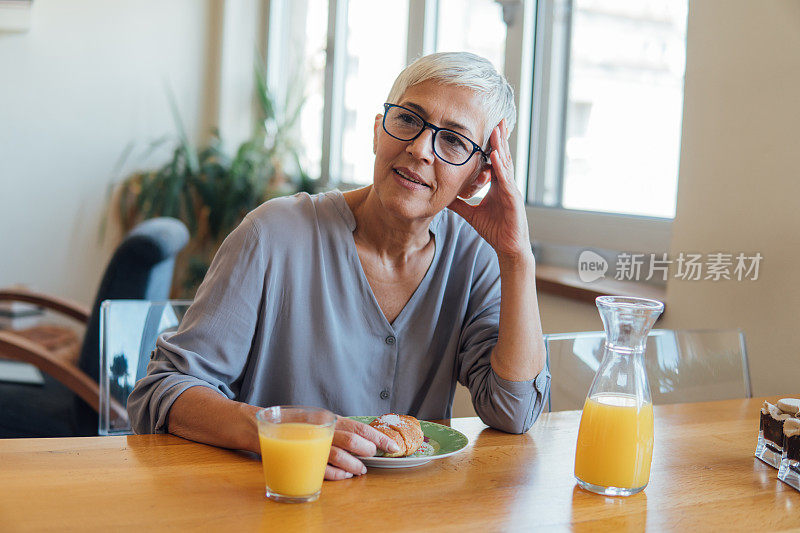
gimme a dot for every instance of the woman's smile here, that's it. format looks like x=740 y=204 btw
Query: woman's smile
x=410 y=179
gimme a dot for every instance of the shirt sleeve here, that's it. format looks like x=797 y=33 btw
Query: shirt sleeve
x=213 y=342
x=510 y=406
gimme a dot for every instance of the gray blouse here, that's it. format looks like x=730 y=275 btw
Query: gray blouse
x=285 y=315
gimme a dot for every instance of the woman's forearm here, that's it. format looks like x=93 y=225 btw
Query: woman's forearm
x=519 y=354
x=202 y=415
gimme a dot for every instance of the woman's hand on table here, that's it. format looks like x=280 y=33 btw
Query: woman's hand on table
x=500 y=217
x=351 y=439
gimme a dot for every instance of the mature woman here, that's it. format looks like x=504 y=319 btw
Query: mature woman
x=375 y=300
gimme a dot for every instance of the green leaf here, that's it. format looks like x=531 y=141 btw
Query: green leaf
x=188 y=149
x=263 y=95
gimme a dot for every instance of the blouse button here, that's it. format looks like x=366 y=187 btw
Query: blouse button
x=390 y=340
x=384 y=394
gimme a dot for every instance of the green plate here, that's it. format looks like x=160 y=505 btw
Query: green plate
x=443 y=442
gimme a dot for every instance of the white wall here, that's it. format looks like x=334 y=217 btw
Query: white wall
x=739 y=187
x=87 y=78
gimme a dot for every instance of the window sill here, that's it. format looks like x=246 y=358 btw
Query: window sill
x=609 y=231
x=564 y=282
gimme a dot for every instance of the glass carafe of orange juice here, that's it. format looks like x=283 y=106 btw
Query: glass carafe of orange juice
x=615 y=439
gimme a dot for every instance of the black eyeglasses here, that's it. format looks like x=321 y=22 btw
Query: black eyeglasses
x=448 y=145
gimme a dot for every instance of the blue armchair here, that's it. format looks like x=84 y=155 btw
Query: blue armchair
x=67 y=404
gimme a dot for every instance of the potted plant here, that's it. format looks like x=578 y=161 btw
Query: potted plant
x=211 y=191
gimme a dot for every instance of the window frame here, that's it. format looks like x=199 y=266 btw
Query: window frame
x=558 y=226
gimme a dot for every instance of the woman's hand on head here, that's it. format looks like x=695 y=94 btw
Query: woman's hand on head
x=351 y=439
x=500 y=217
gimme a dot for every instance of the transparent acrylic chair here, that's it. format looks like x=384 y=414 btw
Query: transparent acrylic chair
x=682 y=366
x=128 y=333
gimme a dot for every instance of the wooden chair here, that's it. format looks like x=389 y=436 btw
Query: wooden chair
x=67 y=404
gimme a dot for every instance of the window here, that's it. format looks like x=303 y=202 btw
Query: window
x=350 y=51
x=376 y=53
x=296 y=65
x=343 y=56
x=607 y=131
x=472 y=26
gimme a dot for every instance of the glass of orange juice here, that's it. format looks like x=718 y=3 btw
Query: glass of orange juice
x=615 y=438
x=295 y=444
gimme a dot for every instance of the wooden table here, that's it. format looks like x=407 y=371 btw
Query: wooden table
x=704 y=476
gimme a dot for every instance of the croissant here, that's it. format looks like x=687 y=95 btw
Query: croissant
x=405 y=430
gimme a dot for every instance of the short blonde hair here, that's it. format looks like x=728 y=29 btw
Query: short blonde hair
x=463 y=69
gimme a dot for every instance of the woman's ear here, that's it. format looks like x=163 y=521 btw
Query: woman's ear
x=479 y=182
x=378 y=119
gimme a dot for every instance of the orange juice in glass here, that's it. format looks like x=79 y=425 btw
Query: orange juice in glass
x=615 y=442
x=295 y=443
